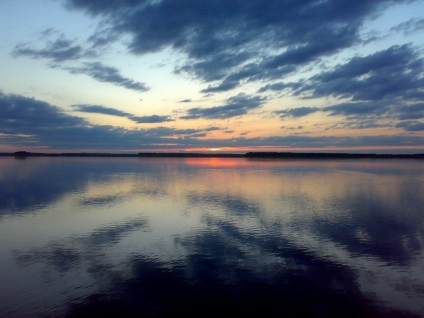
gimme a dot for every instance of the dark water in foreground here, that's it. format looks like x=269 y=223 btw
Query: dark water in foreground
x=208 y=237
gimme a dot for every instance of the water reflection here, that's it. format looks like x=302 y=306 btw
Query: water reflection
x=199 y=237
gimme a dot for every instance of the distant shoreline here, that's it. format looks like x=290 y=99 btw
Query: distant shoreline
x=248 y=155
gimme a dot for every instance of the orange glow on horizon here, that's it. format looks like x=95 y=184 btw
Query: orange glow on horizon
x=221 y=150
x=369 y=149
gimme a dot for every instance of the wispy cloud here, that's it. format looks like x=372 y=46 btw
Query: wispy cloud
x=153 y=119
x=61 y=51
x=98 y=109
x=236 y=106
x=57 y=51
x=107 y=74
x=410 y=26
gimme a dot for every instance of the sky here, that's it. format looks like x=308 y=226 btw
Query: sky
x=218 y=75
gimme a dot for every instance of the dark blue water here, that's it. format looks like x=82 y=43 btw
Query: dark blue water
x=86 y=237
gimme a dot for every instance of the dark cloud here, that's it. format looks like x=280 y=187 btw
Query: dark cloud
x=226 y=85
x=231 y=42
x=107 y=74
x=415 y=111
x=374 y=84
x=397 y=72
x=280 y=87
x=236 y=106
x=185 y=101
x=103 y=5
x=150 y=119
x=56 y=51
x=98 y=109
x=213 y=128
x=411 y=125
x=357 y=108
x=362 y=115
x=384 y=86
x=28 y=116
x=29 y=122
x=215 y=66
x=297 y=112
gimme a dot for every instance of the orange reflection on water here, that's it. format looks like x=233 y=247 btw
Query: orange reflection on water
x=217 y=162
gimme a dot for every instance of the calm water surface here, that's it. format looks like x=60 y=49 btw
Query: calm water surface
x=208 y=237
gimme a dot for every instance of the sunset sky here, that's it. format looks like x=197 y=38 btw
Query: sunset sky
x=217 y=75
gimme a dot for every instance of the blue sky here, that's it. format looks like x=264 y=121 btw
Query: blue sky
x=192 y=75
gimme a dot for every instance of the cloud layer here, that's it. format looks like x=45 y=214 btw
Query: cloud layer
x=27 y=122
x=231 y=42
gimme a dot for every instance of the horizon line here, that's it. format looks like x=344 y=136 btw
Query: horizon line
x=248 y=155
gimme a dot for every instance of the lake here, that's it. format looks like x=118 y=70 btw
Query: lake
x=181 y=237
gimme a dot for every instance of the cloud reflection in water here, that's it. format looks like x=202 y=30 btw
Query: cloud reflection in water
x=168 y=238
